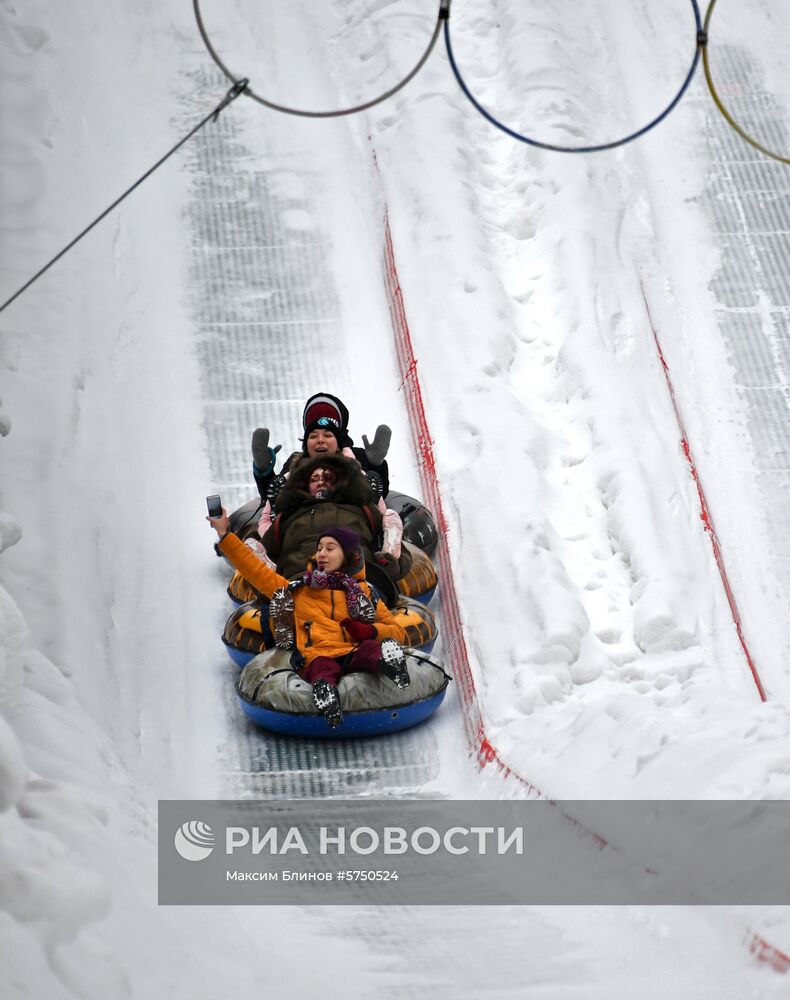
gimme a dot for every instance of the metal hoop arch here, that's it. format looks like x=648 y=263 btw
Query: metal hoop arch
x=444 y=7
x=720 y=104
x=579 y=149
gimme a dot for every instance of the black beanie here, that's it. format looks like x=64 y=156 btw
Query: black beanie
x=325 y=412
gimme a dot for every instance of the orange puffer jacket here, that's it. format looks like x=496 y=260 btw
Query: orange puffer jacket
x=317 y=613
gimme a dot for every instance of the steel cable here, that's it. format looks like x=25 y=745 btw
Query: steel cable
x=444 y=11
x=235 y=91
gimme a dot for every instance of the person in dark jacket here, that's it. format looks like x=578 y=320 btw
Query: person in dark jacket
x=325 y=423
x=326 y=492
x=325 y=420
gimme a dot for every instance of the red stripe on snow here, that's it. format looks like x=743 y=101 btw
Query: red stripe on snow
x=765 y=952
x=762 y=950
x=455 y=653
x=705 y=515
x=455 y=650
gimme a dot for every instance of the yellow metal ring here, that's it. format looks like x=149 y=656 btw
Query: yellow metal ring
x=720 y=104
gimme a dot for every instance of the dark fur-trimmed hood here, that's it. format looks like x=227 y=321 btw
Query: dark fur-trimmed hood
x=351 y=487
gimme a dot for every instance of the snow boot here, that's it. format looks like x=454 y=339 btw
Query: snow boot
x=281 y=614
x=393 y=663
x=327 y=701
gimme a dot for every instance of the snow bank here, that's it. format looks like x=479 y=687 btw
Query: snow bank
x=599 y=626
x=603 y=650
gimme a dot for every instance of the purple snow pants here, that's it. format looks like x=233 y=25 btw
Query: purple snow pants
x=366 y=657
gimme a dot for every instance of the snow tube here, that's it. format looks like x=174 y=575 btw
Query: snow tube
x=244 y=520
x=275 y=697
x=247 y=631
x=420 y=581
x=242 y=592
x=419 y=527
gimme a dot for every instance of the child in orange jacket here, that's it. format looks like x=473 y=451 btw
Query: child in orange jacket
x=338 y=625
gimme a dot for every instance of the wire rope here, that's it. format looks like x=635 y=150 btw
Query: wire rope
x=444 y=10
x=700 y=43
x=235 y=91
x=720 y=104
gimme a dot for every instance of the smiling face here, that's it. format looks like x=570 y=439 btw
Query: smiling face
x=329 y=556
x=321 y=442
x=321 y=481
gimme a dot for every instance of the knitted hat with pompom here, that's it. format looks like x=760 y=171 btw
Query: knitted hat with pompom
x=325 y=412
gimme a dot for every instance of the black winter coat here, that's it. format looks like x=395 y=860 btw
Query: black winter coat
x=300 y=519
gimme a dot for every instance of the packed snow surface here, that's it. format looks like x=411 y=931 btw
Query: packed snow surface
x=601 y=641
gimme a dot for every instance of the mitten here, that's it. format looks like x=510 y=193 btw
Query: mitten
x=388 y=563
x=263 y=456
x=376 y=451
x=359 y=631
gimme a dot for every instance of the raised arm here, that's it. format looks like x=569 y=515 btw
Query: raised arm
x=250 y=566
x=244 y=560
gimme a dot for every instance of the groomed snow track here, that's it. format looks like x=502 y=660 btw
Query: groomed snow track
x=241 y=248
x=269 y=332
x=279 y=283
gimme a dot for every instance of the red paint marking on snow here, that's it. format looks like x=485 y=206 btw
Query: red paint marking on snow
x=705 y=514
x=456 y=653
x=763 y=951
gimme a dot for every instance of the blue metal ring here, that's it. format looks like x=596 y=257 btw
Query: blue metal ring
x=578 y=149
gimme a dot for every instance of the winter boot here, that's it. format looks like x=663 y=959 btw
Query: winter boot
x=327 y=701
x=393 y=663
x=281 y=614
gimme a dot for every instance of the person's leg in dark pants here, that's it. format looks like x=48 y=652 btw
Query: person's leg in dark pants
x=323 y=673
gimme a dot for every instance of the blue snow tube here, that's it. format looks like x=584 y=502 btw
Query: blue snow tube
x=375 y=722
x=277 y=699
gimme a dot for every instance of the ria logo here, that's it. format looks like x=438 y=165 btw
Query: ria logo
x=194 y=840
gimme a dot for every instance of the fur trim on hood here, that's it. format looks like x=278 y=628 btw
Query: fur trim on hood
x=351 y=486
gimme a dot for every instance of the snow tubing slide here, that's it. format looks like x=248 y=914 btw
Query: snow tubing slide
x=247 y=632
x=275 y=697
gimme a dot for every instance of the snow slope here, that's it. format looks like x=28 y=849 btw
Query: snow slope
x=522 y=283
x=573 y=519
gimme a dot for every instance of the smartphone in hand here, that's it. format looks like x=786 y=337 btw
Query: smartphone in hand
x=214 y=505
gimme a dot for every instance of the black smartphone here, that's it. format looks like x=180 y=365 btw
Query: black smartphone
x=214 y=505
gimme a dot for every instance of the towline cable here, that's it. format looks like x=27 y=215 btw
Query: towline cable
x=720 y=104
x=700 y=45
x=443 y=15
x=235 y=91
